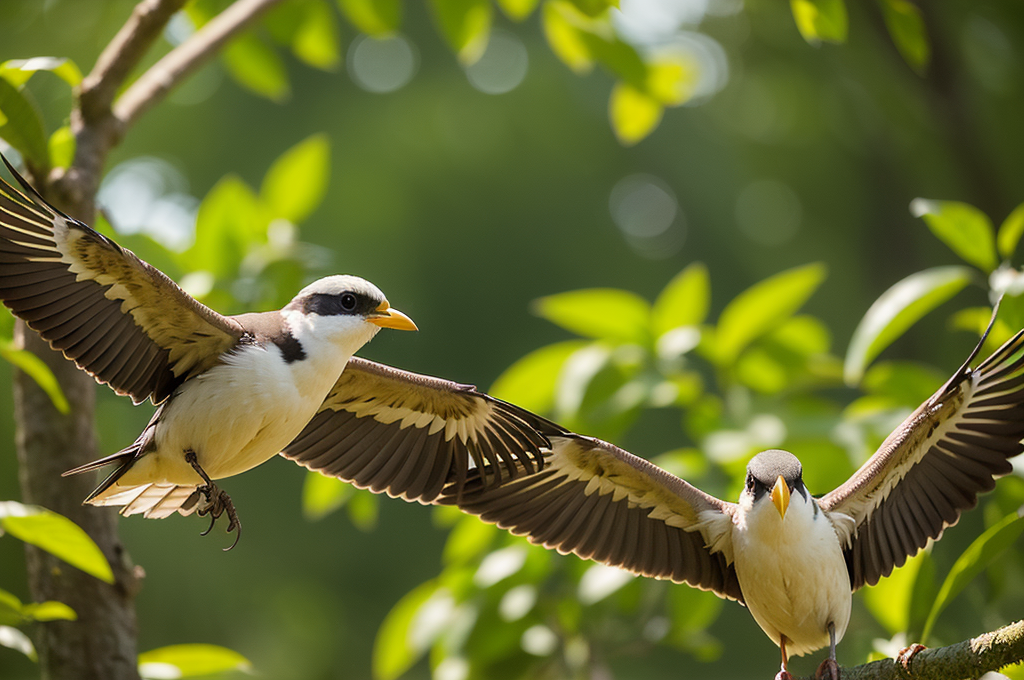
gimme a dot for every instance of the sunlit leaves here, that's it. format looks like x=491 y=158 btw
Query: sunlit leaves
x=62 y=147
x=889 y=601
x=373 y=17
x=820 y=20
x=407 y=632
x=684 y=301
x=257 y=67
x=317 y=39
x=1010 y=232
x=13 y=612
x=906 y=26
x=18 y=71
x=230 y=218
x=561 y=23
x=633 y=114
x=187 y=661
x=517 y=10
x=297 y=181
x=36 y=369
x=531 y=381
x=981 y=553
x=56 y=535
x=465 y=25
x=599 y=313
x=962 y=227
x=22 y=125
x=322 y=495
x=898 y=309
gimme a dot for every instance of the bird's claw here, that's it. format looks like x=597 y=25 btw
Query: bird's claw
x=783 y=675
x=828 y=670
x=218 y=503
x=906 y=654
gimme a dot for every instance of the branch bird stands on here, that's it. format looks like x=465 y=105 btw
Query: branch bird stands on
x=234 y=391
x=792 y=559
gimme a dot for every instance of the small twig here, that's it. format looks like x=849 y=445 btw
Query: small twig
x=967 y=660
x=155 y=83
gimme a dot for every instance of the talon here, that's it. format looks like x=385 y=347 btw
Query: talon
x=783 y=675
x=906 y=654
x=217 y=501
x=213 y=520
x=828 y=670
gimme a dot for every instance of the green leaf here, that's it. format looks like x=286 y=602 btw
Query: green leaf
x=10 y=609
x=257 y=67
x=889 y=600
x=62 y=147
x=57 y=535
x=13 y=638
x=470 y=539
x=905 y=383
x=317 y=40
x=231 y=218
x=190 y=661
x=633 y=114
x=373 y=17
x=297 y=181
x=364 y=510
x=671 y=80
x=531 y=381
x=684 y=301
x=562 y=28
x=962 y=227
x=896 y=310
x=1010 y=232
x=48 y=611
x=465 y=25
x=978 y=555
x=322 y=495
x=763 y=307
x=18 y=71
x=35 y=368
x=23 y=126
x=605 y=313
x=820 y=20
x=395 y=650
x=517 y=10
x=906 y=27
x=594 y=8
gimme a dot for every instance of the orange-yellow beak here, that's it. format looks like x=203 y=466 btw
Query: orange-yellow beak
x=780 y=496
x=386 y=316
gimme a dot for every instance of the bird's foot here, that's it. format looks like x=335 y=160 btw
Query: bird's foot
x=906 y=654
x=783 y=675
x=828 y=670
x=217 y=502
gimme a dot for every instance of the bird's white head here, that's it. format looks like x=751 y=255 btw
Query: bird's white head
x=346 y=311
x=774 y=476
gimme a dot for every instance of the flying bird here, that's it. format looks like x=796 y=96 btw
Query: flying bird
x=794 y=560
x=234 y=391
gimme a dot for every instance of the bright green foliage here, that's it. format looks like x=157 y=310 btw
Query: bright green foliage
x=517 y=10
x=889 y=601
x=531 y=381
x=256 y=66
x=188 y=661
x=373 y=17
x=1010 y=232
x=62 y=147
x=633 y=114
x=684 y=301
x=898 y=309
x=18 y=71
x=405 y=634
x=465 y=25
x=21 y=125
x=36 y=369
x=906 y=27
x=317 y=39
x=297 y=181
x=56 y=535
x=963 y=228
x=820 y=20
x=603 y=313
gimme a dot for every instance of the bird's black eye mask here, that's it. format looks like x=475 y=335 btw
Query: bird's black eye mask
x=758 y=488
x=335 y=304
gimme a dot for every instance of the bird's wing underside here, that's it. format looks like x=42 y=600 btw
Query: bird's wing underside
x=934 y=465
x=602 y=503
x=117 y=317
x=410 y=435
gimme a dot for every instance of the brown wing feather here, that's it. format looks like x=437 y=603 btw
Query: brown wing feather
x=116 y=316
x=934 y=465
x=602 y=503
x=410 y=435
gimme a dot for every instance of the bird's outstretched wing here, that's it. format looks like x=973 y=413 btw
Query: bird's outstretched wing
x=602 y=503
x=116 y=316
x=410 y=435
x=934 y=465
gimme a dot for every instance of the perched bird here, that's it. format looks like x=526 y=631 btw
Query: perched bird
x=794 y=560
x=234 y=391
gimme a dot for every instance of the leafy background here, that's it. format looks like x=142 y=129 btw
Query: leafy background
x=724 y=254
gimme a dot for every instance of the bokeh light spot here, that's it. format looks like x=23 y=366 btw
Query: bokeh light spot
x=647 y=213
x=502 y=67
x=382 y=65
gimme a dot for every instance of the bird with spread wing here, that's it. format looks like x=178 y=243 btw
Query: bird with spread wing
x=794 y=560
x=234 y=391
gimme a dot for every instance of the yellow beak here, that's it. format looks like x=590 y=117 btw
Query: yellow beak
x=780 y=496
x=386 y=316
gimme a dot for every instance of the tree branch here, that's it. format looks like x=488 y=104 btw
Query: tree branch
x=965 y=660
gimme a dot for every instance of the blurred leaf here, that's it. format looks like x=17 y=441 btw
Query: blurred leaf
x=671 y=81
x=926 y=588
x=12 y=638
x=762 y=307
x=322 y=495
x=684 y=301
x=364 y=510
x=594 y=7
x=373 y=17
x=1010 y=232
x=962 y=227
x=10 y=609
x=317 y=40
x=297 y=181
x=530 y=382
x=889 y=600
x=517 y=10
x=394 y=650
x=230 y=220
x=48 y=611
x=190 y=661
x=896 y=310
x=561 y=23
x=257 y=67
x=820 y=20
x=757 y=369
x=470 y=539
x=606 y=313
x=906 y=27
x=633 y=114
x=972 y=562
x=804 y=334
x=908 y=384
x=692 y=610
x=55 y=534
x=465 y=25
x=18 y=71
x=23 y=126
x=62 y=147
x=619 y=57
x=35 y=368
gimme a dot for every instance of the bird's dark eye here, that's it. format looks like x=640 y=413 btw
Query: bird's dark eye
x=348 y=302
